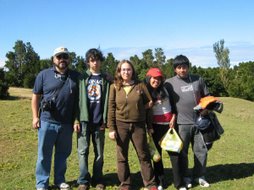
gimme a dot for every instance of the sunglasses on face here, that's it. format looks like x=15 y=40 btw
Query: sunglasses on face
x=62 y=56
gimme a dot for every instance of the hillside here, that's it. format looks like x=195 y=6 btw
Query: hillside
x=20 y=92
x=230 y=162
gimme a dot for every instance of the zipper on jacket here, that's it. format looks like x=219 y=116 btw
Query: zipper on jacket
x=126 y=102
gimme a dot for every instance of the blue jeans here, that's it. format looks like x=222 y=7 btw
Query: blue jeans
x=50 y=135
x=98 y=139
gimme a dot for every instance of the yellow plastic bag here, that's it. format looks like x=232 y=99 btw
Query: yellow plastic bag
x=155 y=155
x=171 y=141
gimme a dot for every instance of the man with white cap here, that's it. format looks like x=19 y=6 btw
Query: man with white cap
x=54 y=101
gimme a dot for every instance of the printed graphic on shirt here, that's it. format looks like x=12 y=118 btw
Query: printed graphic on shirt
x=94 y=90
x=162 y=111
x=187 y=88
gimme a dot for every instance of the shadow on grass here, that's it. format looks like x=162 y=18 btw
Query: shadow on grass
x=224 y=172
x=16 y=98
x=217 y=173
x=111 y=179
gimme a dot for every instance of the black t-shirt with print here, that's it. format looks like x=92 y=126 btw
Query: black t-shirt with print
x=94 y=90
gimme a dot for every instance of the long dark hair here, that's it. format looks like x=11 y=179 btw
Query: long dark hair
x=158 y=93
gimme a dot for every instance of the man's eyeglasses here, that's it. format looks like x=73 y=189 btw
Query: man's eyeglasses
x=62 y=56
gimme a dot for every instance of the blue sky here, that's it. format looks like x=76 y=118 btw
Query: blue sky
x=129 y=27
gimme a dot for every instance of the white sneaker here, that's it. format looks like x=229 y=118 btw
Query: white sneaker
x=63 y=186
x=202 y=182
x=182 y=188
x=187 y=181
x=160 y=187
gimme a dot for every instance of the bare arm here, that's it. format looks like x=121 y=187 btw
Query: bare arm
x=172 y=121
x=35 y=110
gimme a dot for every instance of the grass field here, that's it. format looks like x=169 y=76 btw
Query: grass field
x=230 y=162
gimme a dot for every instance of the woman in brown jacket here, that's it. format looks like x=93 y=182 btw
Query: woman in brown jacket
x=128 y=100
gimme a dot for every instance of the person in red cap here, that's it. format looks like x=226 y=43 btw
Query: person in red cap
x=163 y=118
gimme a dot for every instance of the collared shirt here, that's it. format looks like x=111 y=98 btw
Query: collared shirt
x=49 y=83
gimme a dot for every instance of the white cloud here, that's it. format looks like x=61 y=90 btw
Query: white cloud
x=125 y=53
x=198 y=56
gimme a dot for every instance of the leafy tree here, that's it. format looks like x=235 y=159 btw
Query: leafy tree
x=3 y=85
x=222 y=56
x=136 y=62
x=212 y=80
x=242 y=86
x=22 y=65
x=140 y=66
x=80 y=64
x=45 y=63
x=168 y=69
x=160 y=58
x=77 y=62
x=148 y=57
x=109 y=64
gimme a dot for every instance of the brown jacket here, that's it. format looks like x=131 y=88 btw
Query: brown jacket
x=127 y=107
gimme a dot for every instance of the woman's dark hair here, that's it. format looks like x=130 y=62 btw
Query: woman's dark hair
x=95 y=54
x=118 y=78
x=158 y=93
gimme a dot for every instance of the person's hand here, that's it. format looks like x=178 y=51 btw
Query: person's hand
x=102 y=127
x=112 y=135
x=172 y=121
x=149 y=105
x=36 y=123
x=76 y=127
x=150 y=131
x=172 y=124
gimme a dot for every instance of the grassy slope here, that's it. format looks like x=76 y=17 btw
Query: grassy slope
x=230 y=162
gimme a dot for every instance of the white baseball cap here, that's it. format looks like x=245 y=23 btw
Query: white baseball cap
x=60 y=50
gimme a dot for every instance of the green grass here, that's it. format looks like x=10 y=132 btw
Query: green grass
x=230 y=162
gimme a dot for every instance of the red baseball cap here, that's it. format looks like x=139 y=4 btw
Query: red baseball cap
x=154 y=72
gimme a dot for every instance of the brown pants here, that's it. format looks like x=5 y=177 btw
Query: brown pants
x=137 y=134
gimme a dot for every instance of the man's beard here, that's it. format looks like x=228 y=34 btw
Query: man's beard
x=62 y=65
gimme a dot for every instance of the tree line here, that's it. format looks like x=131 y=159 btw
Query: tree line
x=23 y=64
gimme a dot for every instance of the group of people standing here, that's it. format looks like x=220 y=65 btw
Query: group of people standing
x=64 y=101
